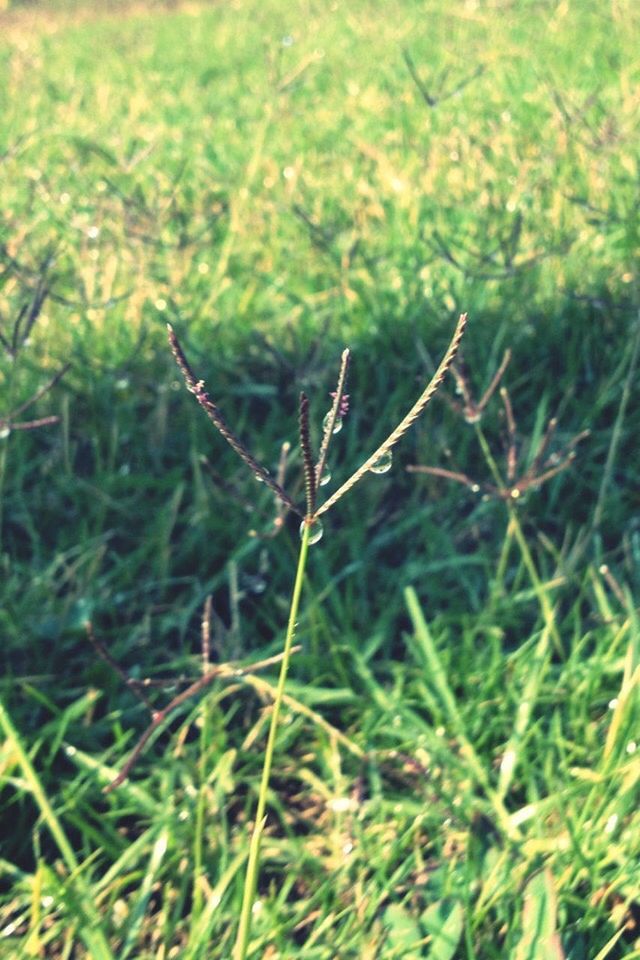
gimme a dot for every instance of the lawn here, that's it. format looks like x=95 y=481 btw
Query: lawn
x=457 y=770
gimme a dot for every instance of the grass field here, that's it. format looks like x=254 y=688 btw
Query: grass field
x=457 y=774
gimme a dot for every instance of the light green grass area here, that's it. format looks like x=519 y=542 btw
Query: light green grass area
x=457 y=771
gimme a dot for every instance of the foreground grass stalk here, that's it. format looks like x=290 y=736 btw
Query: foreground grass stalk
x=253 y=863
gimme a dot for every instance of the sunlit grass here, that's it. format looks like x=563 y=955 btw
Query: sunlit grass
x=273 y=180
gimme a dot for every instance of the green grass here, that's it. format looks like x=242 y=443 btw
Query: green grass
x=270 y=178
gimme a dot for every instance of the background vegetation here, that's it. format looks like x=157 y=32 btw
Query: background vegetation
x=280 y=180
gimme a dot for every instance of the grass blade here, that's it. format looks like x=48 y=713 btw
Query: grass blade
x=444 y=921
x=438 y=679
x=540 y=940
x=89 y=922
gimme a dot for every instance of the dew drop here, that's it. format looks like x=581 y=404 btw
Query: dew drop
x=315 y=533
x=475 y=488
x=382 y=464
x=4 y=432
x=337 y=427
x=611 y=823
x=326 y=477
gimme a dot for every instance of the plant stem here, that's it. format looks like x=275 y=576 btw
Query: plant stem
x=514 y=529
x=547 y=608
x=253 y=863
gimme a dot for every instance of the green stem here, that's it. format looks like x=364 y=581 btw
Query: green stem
x=548 y=612
x=488 y=456
x=253 y=863
x=198 y=861
x=498 y=589
x=514 y=529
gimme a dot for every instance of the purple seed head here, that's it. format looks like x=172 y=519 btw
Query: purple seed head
x=343 y=409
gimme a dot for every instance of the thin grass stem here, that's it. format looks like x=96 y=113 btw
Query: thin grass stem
x=548 y=611
x=253 y=862
x=515 y=529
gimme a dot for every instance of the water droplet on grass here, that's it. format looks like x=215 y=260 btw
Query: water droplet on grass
x=315 y=533
x=382 y=464
x=325 y=478
x=337 y=427
x=611 y=823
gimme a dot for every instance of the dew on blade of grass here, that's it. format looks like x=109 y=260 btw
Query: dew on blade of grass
x=337 y=427
x=325 y=478
x=315 y=533
x=611 y=823
x=4 y=432
x=382 y=464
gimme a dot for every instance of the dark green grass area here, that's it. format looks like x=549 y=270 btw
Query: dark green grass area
x=278 y=181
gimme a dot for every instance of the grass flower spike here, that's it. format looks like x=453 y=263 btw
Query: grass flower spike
x=311 y=531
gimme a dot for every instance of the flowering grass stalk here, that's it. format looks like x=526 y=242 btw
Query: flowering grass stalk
x=310 y=533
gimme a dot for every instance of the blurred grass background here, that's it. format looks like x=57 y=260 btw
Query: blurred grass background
x=279 y=181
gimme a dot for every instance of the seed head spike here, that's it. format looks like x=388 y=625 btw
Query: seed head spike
x=307 y=457
x=337 y=410
x=406 y=422
x=196 y=387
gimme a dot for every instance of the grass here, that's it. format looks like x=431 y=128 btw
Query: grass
x=458 y=748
